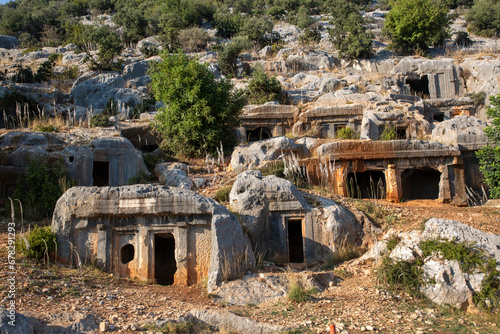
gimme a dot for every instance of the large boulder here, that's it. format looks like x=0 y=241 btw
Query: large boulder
x=8 y=42
x=173 y=177
x=260 y=153
x=94 y=90
x=12 y=322
x=446 y=281
x=465 y=131
x=269 y=205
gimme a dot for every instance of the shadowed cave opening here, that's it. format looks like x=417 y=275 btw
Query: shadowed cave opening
x=295 y=243
x=420 y=183
x=369 y=184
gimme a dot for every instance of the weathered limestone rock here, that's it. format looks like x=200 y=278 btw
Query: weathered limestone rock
x=269 y=208
x=94 y=90
x=173 y=177
x=12 y=322
x=450 y=287
x=8 y=42
x=230 y=322
x=258 y=154
x=266 y=287
x=85 y=218
x=465 y=131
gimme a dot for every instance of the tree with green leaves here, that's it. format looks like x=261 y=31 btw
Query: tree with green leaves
x=262 y=89
x=489 y=155
x=415 y=25
x=199 y=113
x=349 y=34
x=108 y=43
x=484 y=18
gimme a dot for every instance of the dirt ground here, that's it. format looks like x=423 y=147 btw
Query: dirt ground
x=57 y=295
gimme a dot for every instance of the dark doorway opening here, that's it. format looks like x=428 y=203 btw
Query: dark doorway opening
x=419 y=87
x=401 y=133
x=438 y=116
x=420 y=183
x=100 y=173
x=295 y=241
x=165 y=265
x=369 y=184
x=259 y=134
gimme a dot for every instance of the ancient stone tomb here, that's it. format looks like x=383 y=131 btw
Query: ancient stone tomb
x=149 y=232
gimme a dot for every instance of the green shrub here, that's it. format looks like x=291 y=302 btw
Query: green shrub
x=100 y=120
x=310 y=36
x=298 y=294
x=198 y=112
x=349 y=34
x=41 y=240
x=414 y=25
x=262 y=89
x=229 y=54
x=462 y=39
x=23 y=74
x=345 y=133
x=150 y=160
x=304 y=20
x=392 y=243
x=46 y=128
x=402 y=275
x=389 y=133
x=193 y=39
x=149 y=50
x=467 y=255
x=488 y=298
x=276 y=168
x=148 y=103
x=484 y=18
x=489 y=155
x=222 y=195
x=41 y=177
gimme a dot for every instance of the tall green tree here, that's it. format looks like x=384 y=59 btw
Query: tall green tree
x=106 y=40
x=415 y=25
x=349 y=34
x=489 y=155
x=198 y=111
x=484 y=18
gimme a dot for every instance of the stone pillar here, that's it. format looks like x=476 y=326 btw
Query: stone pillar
x=181 y=254
x=393 y=184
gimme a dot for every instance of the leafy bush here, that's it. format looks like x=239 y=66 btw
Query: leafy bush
x=151 y=160
x=298 y=294
x=109 y=45
x=41 y=177
x=193 y=39
x=310 y=36
x=402 y=275
x=255 y=29
x=392 y=243
x=100 y=120
x=489 y=155
x=484 y=18
x=41 y=240
x=149 y=50
x=222 y=195
x=262 y=89
x=276 y=168
x=414 y=25
x=304 y=20
x=23 y=74
x=345 y=133
x=198 y=111
x=148 y=103
x=389 y=133
x=462 y=39
x=349 y=34
x=466 y=254
x=229 y=54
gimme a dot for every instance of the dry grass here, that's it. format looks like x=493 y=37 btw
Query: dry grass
x=235 y=265
x=49 y=124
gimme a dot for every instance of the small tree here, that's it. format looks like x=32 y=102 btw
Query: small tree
x=229 y=54
x=414 y=25
x=489 y=155
x=199 y=112
x=349 y=34
x=108 y=43
x=262 y=89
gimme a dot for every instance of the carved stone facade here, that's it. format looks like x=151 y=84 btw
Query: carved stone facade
x=395 y=170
